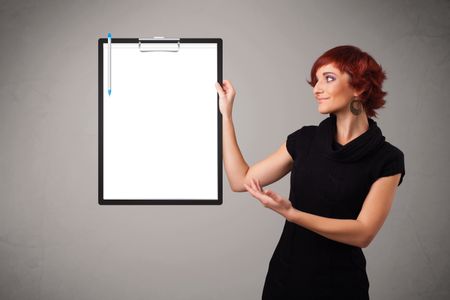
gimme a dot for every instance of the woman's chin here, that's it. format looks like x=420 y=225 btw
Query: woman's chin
x=323 y=110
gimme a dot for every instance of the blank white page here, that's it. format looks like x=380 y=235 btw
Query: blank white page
x=160 y=123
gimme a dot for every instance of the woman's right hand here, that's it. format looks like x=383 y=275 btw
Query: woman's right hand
x=226 y=98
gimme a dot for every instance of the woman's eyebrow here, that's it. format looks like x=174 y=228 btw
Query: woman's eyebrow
x=325 y=73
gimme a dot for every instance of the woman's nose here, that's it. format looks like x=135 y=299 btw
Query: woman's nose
x=317 y=89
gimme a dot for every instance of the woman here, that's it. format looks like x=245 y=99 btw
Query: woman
x=344 y=176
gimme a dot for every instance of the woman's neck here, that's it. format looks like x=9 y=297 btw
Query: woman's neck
x=349 y=127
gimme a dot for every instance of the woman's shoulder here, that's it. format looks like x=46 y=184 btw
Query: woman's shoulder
x=389 y=160
x=304 y=131
x=298 y=142
x=390 y=150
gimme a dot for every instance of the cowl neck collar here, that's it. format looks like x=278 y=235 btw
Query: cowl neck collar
x=356 y=149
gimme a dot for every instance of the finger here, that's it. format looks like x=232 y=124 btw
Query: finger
x=219 y=89
x=252 y=192
x=227 y=85
x=252 y=182
x=255 y=191
x=275 y=196
x=272 y=195
x=255 y=183
x=259 y=186
x=250 y=189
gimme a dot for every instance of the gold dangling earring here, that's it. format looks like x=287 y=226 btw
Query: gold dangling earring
x=355 y=111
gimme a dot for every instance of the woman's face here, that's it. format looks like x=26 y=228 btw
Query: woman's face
x=332 y=90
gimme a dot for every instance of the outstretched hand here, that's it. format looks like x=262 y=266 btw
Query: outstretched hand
x=269 y=198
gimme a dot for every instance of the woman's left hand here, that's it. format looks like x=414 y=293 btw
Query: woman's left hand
x=269 y=198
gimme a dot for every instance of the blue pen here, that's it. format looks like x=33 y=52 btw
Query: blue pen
x=109 y=63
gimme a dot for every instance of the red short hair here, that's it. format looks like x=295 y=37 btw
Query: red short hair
x=365 y=73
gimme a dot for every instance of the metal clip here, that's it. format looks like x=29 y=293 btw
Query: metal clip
x=159 y=43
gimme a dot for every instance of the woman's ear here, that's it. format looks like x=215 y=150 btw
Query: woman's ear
x=358 y=93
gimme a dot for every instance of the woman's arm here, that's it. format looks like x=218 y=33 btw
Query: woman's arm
x=359 y=232
x=235 y=166
x=347 y=231
x=268 y=170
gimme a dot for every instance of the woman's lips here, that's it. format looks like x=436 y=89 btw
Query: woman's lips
x=320 y=100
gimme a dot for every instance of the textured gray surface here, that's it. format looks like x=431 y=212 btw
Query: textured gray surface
x=56 y=242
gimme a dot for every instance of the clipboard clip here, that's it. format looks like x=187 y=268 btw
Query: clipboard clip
x=159 y=43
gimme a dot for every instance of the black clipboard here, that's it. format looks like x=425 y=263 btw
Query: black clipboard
x=156 y=147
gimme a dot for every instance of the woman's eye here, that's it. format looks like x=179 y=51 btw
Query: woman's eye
x=329 y=77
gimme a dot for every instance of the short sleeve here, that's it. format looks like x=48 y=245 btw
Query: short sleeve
x=394 y=164
x=299 y=141
x=291 y=143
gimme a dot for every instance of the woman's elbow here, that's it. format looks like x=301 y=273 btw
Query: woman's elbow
x=238 y=189
x=367 y=239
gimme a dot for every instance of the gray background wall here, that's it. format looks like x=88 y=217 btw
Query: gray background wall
x=56 y=242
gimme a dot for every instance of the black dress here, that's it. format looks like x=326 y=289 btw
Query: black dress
x=329 y=180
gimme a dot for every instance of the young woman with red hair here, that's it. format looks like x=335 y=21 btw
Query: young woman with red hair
x=344 y=176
